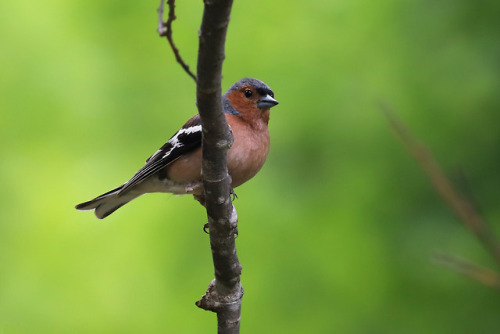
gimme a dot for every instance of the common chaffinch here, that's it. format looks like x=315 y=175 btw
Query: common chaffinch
x=176 y=166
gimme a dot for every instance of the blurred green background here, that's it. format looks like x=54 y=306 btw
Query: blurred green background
x=338 y=229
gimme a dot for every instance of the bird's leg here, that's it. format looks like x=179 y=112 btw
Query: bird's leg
x=201 y=199
x=206 y=229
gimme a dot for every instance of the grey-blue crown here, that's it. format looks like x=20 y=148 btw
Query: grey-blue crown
x=259 y=86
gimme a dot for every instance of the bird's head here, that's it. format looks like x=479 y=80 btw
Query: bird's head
x=248 y=95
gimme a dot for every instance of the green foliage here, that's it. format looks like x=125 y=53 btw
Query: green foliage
x=336 y=231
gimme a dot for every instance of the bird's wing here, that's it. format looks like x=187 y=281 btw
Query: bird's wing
x=187 y=139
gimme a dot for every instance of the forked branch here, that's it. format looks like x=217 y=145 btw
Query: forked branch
x=459 y=204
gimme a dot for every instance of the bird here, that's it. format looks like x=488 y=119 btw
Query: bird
x=176 y=167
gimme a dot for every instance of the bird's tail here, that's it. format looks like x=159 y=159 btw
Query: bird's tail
x=108 y=203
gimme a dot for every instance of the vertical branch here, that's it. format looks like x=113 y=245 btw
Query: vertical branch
x=224 y=292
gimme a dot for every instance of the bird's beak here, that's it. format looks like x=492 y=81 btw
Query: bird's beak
x=266 y=102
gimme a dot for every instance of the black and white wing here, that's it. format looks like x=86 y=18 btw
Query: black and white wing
x=187 y=139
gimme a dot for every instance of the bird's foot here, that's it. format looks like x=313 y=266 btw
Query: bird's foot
x=233 y=194
x=206 y=229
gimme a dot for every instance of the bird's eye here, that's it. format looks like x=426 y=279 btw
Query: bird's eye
x=248 y=92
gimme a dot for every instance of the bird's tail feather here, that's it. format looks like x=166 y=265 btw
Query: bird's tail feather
x=108 y=203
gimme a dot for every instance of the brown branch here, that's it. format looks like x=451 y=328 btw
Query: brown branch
x=458 y=203
x=224 y=292
x=478 y=273
x=165 y=30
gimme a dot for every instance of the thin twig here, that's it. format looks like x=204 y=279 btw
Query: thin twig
x=165 y=30
x=459 y=204
x=476 y=272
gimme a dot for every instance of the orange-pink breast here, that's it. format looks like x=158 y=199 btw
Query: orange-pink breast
x=249 y=151
x=244 y=159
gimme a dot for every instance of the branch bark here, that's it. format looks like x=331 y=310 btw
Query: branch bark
x=224 y=292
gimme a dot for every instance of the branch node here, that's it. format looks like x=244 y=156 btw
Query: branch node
x=212 y=301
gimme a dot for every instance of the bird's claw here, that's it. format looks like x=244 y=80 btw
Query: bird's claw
x=206 y=229
x=233 y=194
